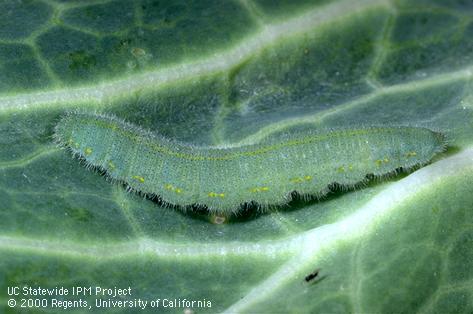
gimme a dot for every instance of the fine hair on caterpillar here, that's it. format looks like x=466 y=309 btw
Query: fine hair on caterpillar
x=223 y=180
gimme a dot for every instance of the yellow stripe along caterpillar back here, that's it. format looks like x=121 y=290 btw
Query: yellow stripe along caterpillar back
x=224 y=178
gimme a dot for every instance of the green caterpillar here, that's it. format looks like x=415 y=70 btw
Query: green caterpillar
x=222 y=179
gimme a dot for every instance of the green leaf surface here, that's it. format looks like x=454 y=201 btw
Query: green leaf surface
x=238 y=72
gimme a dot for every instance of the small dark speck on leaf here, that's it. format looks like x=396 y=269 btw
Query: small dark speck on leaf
x=312 y=275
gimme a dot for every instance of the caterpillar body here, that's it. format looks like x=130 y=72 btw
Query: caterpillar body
x=224 y=178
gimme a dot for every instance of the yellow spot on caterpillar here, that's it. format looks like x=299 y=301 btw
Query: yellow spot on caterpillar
x=70 y=142
x=76 y=145
x=386 y=160
x=222 y=195
x=111 y=165
x=341 y=169
x=350 y=167
x=260 y=189
x=213 y=194
x=411 y=154
x=88 y=151
x=301 y=179
x=139 y=178
x=170 y=187
x=379 y=162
